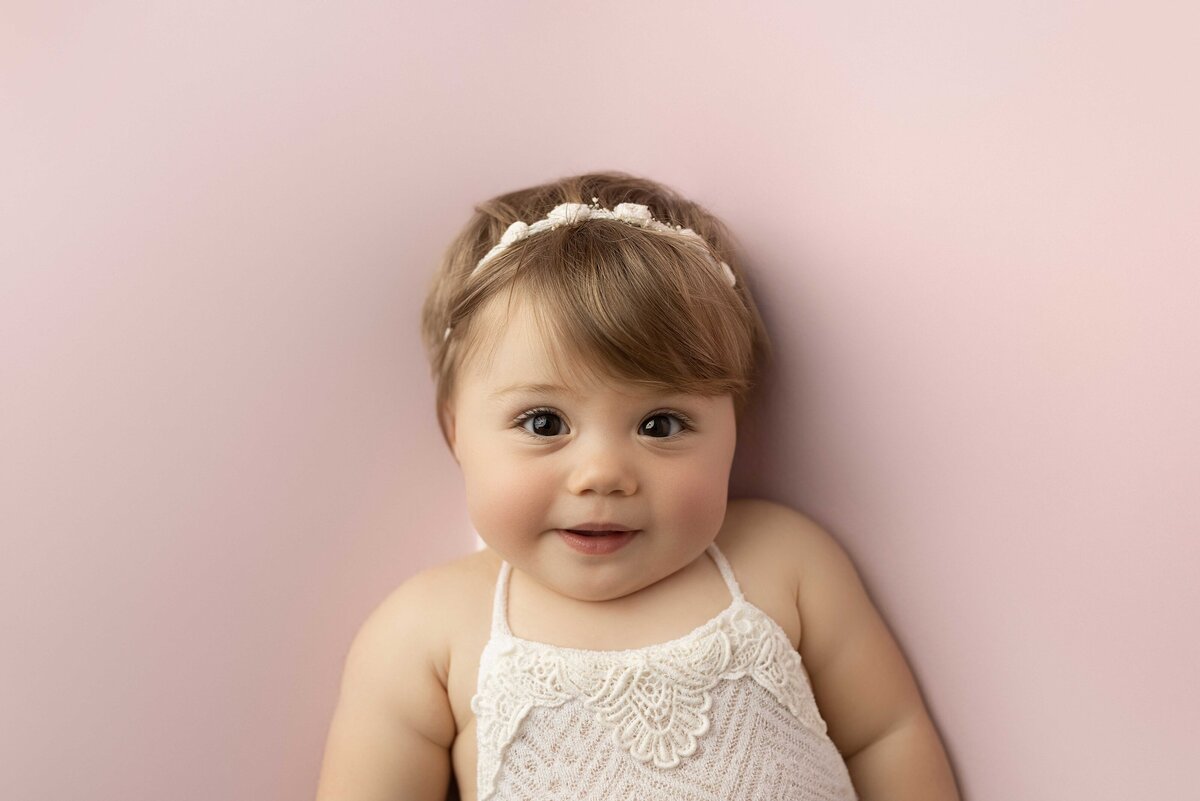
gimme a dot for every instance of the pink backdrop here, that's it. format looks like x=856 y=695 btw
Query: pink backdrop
x=972 y=228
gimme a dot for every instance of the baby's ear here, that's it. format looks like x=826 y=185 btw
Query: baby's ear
x=446 y=417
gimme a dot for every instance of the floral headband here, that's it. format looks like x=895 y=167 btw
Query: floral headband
x=634 y=214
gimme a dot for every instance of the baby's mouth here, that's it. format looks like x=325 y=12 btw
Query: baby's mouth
x=596 y=533
x=597 y=541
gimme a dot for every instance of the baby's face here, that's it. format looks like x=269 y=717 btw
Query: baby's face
x=542 y=454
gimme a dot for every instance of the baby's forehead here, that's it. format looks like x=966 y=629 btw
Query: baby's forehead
x=549 y=371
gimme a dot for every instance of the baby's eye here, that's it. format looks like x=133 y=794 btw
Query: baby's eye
x=662 y=425
x=541 y=423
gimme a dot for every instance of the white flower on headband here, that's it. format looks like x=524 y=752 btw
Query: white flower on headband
x=515 y=231
x=635 y=214
x=567 y=213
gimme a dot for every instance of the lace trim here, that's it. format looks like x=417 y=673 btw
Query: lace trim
x=655 y=700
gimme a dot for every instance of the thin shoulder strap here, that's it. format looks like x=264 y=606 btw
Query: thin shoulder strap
x=726 y=571
x=500 y=602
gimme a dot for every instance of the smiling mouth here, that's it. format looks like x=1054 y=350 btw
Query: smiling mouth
x=597 y=542
x=598 y=533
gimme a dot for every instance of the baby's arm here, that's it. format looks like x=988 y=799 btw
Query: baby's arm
x=864 y=687
x=393 y=727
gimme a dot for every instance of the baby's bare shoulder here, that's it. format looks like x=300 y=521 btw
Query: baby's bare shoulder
x=785 y=543
x=770 y=547
x=404 y=644
x=766 y=530
x=423 y=609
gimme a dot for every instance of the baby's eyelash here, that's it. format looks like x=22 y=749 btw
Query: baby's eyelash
x=528 y=413
x=683 y=418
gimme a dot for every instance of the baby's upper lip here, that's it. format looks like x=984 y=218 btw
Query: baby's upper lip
x=604 y=526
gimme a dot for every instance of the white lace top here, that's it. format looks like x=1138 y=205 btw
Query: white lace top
x=724 y=713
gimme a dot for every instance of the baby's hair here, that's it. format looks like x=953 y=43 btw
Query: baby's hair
x=632 y=304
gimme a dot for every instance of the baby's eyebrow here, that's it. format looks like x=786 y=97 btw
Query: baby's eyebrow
x=533 y=388
x=549 y=389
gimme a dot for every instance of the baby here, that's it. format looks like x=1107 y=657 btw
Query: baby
x=628 y=632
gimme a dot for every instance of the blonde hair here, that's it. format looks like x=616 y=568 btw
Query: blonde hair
x=636 y=305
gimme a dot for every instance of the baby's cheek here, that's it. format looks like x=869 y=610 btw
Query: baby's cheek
x=505 y=499
x=518 y=503
x=699 y=498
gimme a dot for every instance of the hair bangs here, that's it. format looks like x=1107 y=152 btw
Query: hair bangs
x=637 y=306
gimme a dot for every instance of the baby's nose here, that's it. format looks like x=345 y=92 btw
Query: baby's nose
x=603 y=469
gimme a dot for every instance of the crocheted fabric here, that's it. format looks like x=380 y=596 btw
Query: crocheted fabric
x=724 y=712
